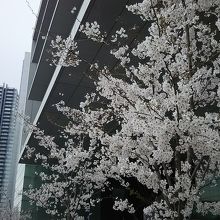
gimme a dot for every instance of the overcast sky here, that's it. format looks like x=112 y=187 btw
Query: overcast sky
x=16 y=28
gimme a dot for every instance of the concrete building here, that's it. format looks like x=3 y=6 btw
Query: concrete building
x=21 y=130
x=8 y=148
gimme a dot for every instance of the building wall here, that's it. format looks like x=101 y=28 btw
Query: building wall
x=32 y=106
x=21 y=130
x=19 y=186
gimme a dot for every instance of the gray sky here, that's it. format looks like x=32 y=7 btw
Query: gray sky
x=16 y=28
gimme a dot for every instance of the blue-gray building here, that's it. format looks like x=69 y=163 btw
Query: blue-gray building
x=8 y=108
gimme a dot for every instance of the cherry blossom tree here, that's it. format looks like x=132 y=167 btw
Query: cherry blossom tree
x=70 y=181
x=159 y=121
x=13 y=214
x=9 y=212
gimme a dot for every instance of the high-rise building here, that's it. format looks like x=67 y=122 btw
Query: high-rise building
x=8 y=107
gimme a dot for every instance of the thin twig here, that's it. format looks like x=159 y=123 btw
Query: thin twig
x=31 y=9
